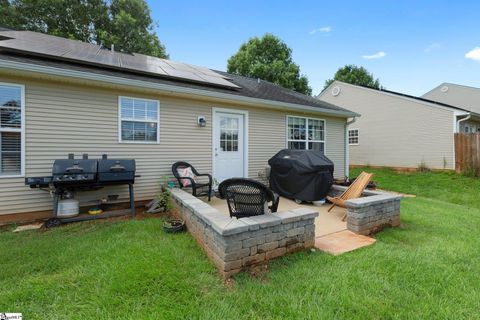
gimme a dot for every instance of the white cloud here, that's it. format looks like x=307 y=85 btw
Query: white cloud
x=473 y=54
x=378 y=55
x=322 y=30
x=432 y=47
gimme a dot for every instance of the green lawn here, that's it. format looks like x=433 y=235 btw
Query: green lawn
x=427 y=269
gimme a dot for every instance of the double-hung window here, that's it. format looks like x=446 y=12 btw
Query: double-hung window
x=305 y=133
x=11 y=130
x=353 y=137
x=139 y=120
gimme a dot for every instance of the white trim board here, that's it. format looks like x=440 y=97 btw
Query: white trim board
x=245 y=137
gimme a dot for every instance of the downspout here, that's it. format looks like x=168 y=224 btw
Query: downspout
x=347 y=148
x=457 y=130
x=461 y=120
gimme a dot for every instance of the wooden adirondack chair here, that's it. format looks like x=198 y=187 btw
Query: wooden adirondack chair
x=354 y=191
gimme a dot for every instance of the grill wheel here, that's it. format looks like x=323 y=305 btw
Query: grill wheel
x=52 y=223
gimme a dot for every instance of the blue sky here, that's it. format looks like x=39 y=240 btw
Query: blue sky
x=411 y=46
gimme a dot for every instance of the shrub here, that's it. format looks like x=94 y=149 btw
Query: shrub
x=163 y=202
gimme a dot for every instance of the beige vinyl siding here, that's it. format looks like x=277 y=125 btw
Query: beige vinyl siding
x=396 y=132
x=62 y=119
x=335 y=144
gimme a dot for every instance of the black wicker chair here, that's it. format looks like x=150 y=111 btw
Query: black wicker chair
x=247 y=197
x=198 y=188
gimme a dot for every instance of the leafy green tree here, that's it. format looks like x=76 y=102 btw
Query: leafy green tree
x=132 y=29
x=125 y=23
x=6 y=18
x=355 y=75
x=270 y=59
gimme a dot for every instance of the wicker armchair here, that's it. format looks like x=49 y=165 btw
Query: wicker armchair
x=198 y=188
x=247 y=197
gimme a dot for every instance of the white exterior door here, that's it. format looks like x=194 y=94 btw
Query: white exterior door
x=229 y=142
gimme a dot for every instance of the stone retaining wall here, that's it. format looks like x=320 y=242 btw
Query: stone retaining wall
x=236 y=244
x=372 y=212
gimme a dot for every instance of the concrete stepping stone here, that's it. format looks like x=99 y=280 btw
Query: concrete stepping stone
x=342 y=241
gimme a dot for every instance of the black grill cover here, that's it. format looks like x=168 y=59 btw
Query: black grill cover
x=305 y=175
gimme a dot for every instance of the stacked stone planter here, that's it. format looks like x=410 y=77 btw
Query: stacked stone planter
x=372 y=212
x=236 y=244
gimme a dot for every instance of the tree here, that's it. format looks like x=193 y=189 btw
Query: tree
x=355 y=75
x=131 y=29
x=126 y=24
x=270 y=59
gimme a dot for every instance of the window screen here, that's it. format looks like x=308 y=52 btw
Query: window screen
x=10 y=130
x=139 y=120
x=353 y=136
x=305 y=133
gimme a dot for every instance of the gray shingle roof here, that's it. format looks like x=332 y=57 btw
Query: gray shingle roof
x=249 y=87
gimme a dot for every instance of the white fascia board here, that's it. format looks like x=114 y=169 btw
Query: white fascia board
x=168 y=88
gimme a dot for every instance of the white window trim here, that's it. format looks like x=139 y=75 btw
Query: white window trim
x=120 y=121
x=287 y=140
x=21 y=130
x=358 y=137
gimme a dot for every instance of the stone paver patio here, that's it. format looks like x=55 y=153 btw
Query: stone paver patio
x=331 y=234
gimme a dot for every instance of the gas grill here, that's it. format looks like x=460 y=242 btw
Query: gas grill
x=71 y=172
x=72 y=175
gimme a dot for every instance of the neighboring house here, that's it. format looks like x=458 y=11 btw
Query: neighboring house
x=399 y=130
x=464 y=97
x=62 y=96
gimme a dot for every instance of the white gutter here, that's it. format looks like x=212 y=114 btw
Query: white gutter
x=20 y=66
x=468 y=116
x=456 y=129
x=347 y=147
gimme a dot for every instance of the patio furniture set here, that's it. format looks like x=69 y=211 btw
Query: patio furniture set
x=245 y=197
x=298 y=174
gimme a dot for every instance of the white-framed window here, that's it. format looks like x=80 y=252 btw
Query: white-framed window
x=353 y=137
x=12 y=130
x=305 y=133
x=138 y=120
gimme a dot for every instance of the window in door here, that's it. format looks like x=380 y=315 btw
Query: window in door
x=229 y=134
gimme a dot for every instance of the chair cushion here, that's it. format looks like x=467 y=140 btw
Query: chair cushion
x=187 y=173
